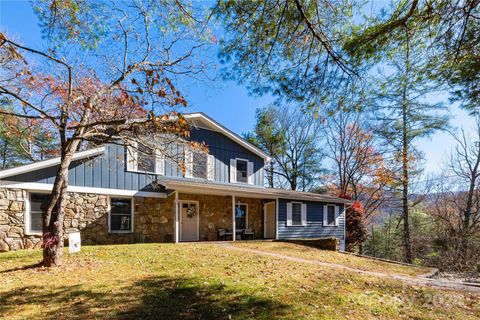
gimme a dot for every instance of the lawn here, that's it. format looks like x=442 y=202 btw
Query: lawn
x=207 y=281
x=301 y=251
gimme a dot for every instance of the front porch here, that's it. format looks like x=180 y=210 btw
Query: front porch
x=200 y=217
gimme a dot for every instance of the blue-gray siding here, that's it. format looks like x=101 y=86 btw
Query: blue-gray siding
x=314 y=227
x=109 y=170
x=224 y=149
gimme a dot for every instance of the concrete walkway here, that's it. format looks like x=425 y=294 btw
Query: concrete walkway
x=419 y=281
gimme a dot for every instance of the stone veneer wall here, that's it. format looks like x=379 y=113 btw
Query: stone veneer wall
x=87 y=213
x=255 y=215
x=153 y=218
x=216 y=213
x=12 y=221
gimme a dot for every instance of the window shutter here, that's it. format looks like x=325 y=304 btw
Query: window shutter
x=250 y=174
x=289 y=214
x=159 y=162
x=210 y=167
x=325 y=215
x=132 y=157
x=262 y=177
x=233 y=170
x=337 y=215
x=188 y=163
x=304 y=214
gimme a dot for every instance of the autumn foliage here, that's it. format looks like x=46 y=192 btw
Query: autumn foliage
x=356 y=231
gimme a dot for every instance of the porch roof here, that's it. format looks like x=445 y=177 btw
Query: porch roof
x=203 y=186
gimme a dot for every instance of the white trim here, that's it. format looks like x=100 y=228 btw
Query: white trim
x=188 y=162
x=241 y=190
x=337 y=215
x=132 y=212
x=49 y=163
x=288 y=220
x=210 y=167
x=336 y=210
x=197 y=204
x=291 y=221
x=32 y=186
x=233 y=170
x=131 y=156
x=236 y=171
x=220 y=128
x=250 y=172
x=265 y=220
x=159 y=162
x=303 y=214
x=177 y=223
x=218 y=192
x=27 y=217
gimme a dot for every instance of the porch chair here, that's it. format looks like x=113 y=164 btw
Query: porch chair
x=224 y=234
x=248 y=233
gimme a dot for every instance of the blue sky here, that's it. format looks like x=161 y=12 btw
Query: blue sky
x=226 y=102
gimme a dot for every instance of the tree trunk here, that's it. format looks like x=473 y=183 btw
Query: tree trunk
x=405 y=161
x=52 y=220
x=270 y=174
x=405 y=183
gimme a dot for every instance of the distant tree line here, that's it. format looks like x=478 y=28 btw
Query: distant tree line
x=371 y=87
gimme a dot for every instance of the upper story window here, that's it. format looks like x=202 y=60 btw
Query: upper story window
x=296 y=214
x=241 y=170
x=330 y=215
x=38 y=205
x=199 y=165
x=146 y=159
x=141 y=158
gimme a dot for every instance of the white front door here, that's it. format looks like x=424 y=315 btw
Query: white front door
x=189 y=221
x=269 y=220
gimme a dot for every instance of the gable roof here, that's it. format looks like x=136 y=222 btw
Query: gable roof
x=49 y=163
x=202 y=120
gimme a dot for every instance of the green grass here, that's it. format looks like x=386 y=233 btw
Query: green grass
x=206 y=281
x=300 y=251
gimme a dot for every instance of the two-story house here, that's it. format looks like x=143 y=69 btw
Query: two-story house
x=116 y=198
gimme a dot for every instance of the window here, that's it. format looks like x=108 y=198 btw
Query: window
x=38 y=205
x=200 y=165
x=330 y=215
x=121 y=215
x=296 y=214
x=146 y=159
x=241 y=216
x=242 y=171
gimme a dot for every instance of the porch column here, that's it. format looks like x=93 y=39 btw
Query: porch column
x=177 y=219
x=234 y=228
